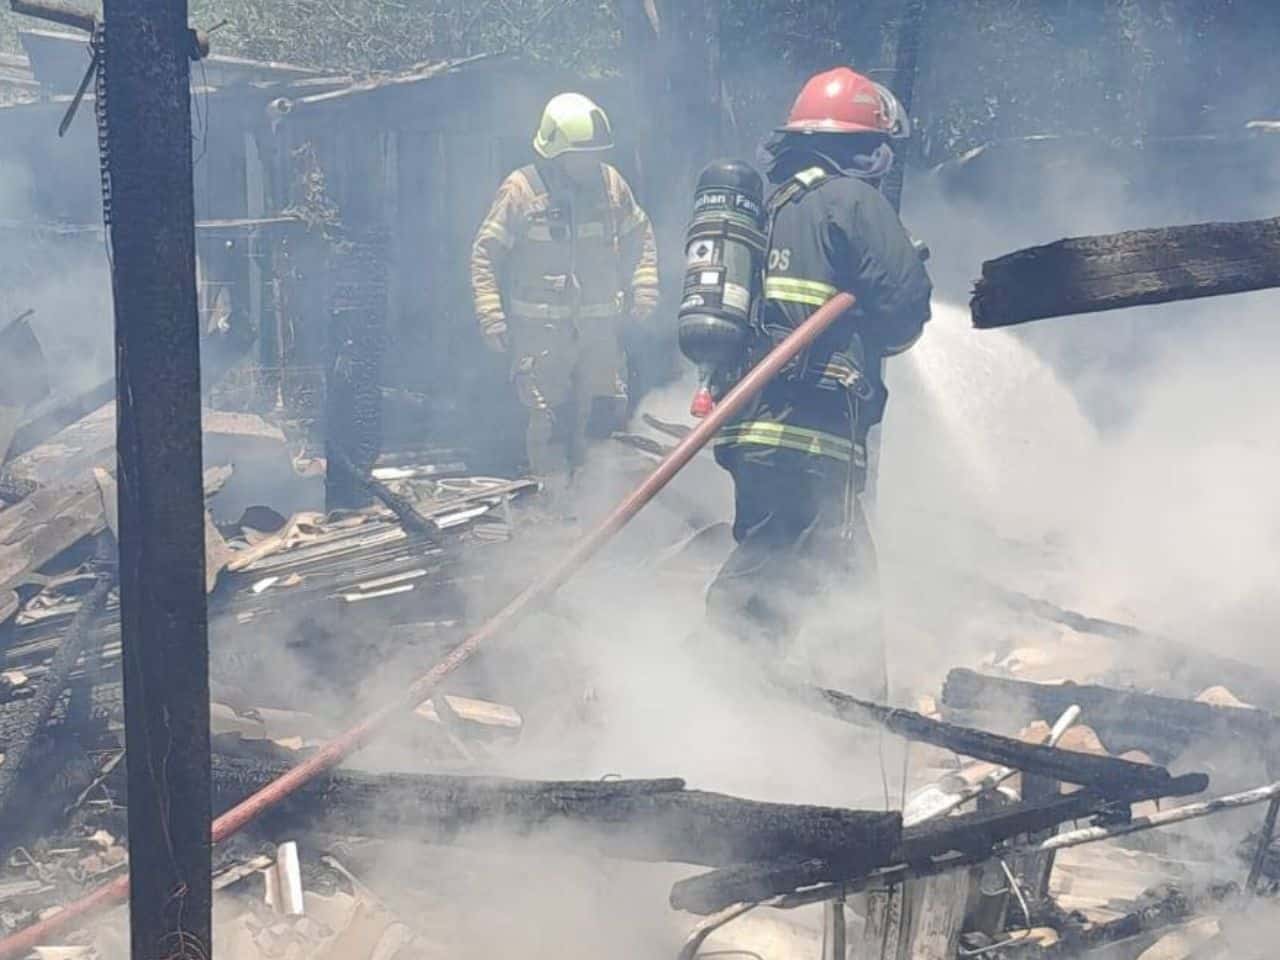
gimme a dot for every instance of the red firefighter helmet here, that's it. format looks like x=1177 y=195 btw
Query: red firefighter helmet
x=842 y=101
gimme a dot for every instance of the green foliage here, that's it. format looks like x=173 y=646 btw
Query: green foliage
x=360 y=36
x=989 y=68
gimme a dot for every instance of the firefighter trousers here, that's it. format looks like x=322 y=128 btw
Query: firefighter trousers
x=574 y=387
x=803 y=572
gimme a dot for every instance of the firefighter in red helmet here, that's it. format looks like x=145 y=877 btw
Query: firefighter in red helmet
x=797 y=455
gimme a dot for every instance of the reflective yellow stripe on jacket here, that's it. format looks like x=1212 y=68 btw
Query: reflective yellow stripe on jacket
x=810 y=292
x=552 y=311
x=766 y=433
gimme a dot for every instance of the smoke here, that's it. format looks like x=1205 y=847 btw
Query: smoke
x=1123 y=464
x=1120 y=464
x=60 y=272
x=1130 y=444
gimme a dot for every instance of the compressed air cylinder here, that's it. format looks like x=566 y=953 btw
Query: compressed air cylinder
x=724 y=248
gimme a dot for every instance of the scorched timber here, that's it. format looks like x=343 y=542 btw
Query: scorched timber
x=1124 y=719
x=651 y=820
x=1092 y=274
x=974 y=837
x=1107 y=775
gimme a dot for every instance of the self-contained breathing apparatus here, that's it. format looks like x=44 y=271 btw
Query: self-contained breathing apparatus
x=724 y=259
x=725 y=248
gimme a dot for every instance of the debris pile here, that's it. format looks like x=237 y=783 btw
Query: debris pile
x=999 y=853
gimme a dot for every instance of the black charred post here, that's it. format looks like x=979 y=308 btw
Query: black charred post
x=1131 y=269
x=906 y=55
x=146 y=77
x=353 y=368
x=1123 y=719
x=1107 y=775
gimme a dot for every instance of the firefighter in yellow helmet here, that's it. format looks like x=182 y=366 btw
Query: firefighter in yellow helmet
x=564 y=259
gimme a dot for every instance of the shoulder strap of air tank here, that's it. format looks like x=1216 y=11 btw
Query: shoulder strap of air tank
x=801 y=183
x=537 y=186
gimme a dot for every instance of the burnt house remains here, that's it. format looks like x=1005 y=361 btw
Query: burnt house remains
x=334 y=221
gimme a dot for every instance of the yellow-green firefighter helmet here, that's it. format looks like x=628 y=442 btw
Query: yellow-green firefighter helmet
x=572 y=123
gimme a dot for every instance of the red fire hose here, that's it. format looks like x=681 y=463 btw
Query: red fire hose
x=19 y=944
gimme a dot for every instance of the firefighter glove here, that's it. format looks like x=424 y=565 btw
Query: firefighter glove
x=495 y=337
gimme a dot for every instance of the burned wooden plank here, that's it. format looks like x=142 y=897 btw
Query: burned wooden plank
x=966 y=839
x=1190 y=663
x=972 y=835
x=1134 y=268
x=1107 y=775
x=642 y=820
x=1123 y=719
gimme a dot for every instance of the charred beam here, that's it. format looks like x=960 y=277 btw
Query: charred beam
x=1107 y=775
x=1124 y=719
x=1135 y=268
x=640 y=820
x=56 y=11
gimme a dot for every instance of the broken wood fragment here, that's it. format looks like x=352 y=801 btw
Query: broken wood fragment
x=1107 y=775
x=1134 y=268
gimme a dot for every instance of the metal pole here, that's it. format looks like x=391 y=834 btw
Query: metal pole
x=19 y=944
x=146 y=78
x=1192 y=811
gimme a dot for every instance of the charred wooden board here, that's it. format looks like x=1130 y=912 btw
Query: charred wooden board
x=974 y=836
x=1107 y=775
x=1092 y=274
x=1123 y=719
x=642 y=820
